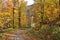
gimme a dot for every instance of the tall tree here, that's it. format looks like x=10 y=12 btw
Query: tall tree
x=21 y=8
x=41 y=5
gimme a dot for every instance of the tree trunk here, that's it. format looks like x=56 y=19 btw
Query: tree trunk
x=13 y=17
x=42 y=12
x=19 y=15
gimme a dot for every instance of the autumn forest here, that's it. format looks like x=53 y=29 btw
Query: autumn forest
x=39 y=21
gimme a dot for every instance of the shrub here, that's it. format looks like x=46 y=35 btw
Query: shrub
x=47 y=33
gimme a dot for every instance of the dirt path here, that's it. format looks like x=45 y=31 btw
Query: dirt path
x=18 y=35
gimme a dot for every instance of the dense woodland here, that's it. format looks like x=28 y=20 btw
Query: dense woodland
x=42 y=19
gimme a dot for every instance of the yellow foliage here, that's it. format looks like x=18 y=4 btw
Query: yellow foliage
x=24 y=20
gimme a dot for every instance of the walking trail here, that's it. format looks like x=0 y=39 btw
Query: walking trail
x=17 y=35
